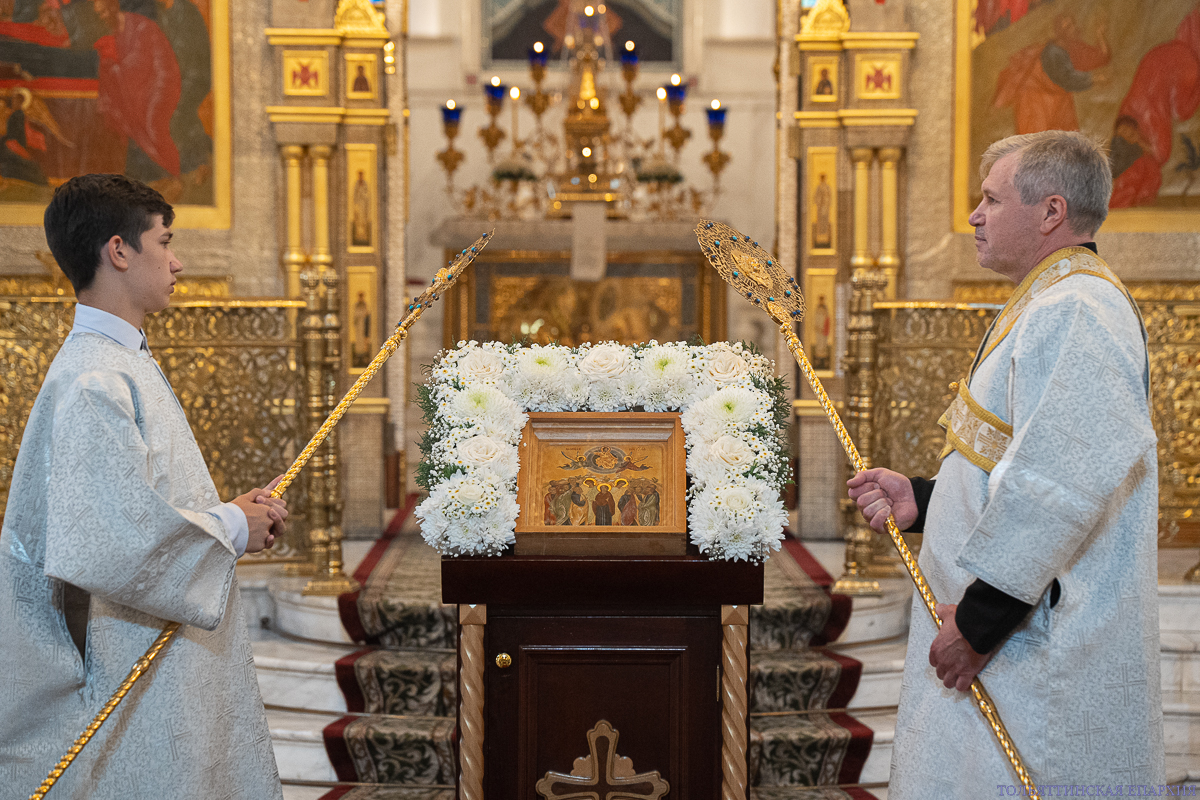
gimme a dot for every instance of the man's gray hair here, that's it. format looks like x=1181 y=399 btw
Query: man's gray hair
x=1065 y=163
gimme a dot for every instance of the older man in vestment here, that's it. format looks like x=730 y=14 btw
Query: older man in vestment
x=1040 y=529
x=113 y=527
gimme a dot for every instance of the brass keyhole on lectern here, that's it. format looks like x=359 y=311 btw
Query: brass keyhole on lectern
x=503 y=660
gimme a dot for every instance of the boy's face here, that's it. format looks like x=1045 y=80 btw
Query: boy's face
x=154 y=269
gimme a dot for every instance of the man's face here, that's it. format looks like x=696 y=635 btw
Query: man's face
x=1007 y=232
x=154 y=269
x=108 y=11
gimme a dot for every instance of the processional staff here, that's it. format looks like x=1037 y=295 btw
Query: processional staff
x=764 y=282
x=444 y=279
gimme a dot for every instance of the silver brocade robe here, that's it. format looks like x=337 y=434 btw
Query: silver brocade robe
x=1075 y=497
x=108 y=494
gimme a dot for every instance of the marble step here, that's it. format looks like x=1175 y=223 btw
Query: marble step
x=1181 y=724
x=300 y=745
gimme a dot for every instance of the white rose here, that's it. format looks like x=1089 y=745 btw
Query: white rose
x=481 y=365
x=726 y=367
x=605 y=361
x=736 y=498
x=469 y=493
x=730 y=450
x=481 y=450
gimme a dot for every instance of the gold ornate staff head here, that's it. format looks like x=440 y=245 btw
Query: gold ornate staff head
x=748 y=268
x=448 y=274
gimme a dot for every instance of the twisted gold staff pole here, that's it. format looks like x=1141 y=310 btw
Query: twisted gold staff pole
x=444 y=279
x=764 y=282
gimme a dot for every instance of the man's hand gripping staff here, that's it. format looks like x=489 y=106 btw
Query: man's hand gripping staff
x=763 y=281
x=264 y=513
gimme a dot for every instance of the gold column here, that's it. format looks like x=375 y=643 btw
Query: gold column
x=889 y=251
x=471 y=620
x=860 y=389
x=293 y=255
x=313 y=337
x=322 y=257
x=329 y=578
x=861 y=156
x=735 y=625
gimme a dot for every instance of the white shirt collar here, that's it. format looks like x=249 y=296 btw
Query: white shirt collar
x=92 y=320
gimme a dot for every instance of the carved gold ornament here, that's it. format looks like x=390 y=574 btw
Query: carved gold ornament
x=602 y=774
x=752 y=271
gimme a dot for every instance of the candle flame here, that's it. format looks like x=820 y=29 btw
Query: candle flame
x=662 y=93
x=588 y=10
x=538 y=47
x=514 y=93
x=716 y=104
x=629 y=45
x=495 y=80
x=450 y=104
x=675 y=79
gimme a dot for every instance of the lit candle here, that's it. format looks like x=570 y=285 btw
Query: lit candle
x=515 y=94
x=538 y=55
x=662 y=118
x=629 y=56
x=451 y=113
x=716 y=114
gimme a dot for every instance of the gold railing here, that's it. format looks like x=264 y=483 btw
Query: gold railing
x=235 y=364
x=917 y=348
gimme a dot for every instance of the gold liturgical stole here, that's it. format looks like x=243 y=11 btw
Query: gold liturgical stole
x=981 y=436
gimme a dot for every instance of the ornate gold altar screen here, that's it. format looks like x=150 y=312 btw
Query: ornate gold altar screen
x=901 y=362
x=255 y=378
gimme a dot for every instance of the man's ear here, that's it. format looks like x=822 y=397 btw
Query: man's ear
x=1054 y=213
x=115 y=253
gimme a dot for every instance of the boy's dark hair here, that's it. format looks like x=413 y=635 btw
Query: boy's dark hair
x=88 y=210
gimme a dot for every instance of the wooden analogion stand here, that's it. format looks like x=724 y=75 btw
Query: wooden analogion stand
x=599 y=673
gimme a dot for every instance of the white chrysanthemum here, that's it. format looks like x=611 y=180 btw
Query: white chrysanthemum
x=739 y=520
x=576 y=389
x=730 y=410
x=481 y=402
x=667 y=379
x=606 y=395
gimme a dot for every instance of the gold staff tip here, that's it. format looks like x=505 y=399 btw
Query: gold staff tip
x=447 y=275
x=750 y=269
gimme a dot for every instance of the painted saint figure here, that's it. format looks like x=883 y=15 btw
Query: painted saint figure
x=360 y=218
x=648 y=505
x=1040 y=80
x=822 y=226
x=628 y=505
x=362 y=84
x=604 y=506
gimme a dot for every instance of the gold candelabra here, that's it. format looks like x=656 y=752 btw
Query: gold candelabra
x=764 y=282
x=442 y=281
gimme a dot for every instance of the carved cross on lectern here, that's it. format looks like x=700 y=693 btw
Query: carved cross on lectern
x=602 y=775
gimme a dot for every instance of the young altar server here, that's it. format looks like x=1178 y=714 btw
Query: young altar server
x=113 y=527
x=1041 y=528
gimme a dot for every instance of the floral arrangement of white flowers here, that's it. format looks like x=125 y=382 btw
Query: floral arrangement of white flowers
x=734 y=418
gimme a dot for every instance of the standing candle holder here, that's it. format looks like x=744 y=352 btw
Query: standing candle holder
x=716 y=159
x=493 y=134
x=538 y=100
x=451 y=157
x=630 y=100
x=676 y=94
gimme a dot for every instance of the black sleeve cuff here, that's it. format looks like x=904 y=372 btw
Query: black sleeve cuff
x=922 y=491
x=986 y=615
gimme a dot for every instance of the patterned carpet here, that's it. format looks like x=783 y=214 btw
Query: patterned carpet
x=403 y=683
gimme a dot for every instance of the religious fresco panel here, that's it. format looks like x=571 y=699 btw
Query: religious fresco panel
x=137 y=87
x=1126 y=72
